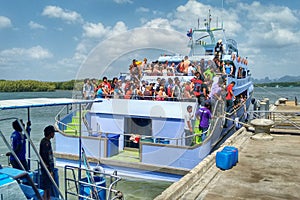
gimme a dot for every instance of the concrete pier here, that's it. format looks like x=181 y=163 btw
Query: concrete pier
x=266 y=170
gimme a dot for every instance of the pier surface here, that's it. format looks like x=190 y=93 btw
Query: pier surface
x=266 y=170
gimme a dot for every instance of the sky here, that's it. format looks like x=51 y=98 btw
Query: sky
x=63 y=40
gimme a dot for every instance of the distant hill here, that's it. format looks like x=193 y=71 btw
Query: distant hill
x=289 y=79
x=282 y=79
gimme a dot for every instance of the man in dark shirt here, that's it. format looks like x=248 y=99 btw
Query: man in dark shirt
x=46 y=154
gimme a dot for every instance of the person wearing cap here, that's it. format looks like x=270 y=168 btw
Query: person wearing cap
x=219 y=49
x=18 y=144
x=46 y=154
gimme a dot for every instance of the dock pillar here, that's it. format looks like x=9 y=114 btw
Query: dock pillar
x=262 y=129
x=263 y=110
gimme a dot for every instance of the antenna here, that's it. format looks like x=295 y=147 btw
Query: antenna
x=222 y=24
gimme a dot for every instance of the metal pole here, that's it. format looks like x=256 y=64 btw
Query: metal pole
x=80 y=153
x=29 y=155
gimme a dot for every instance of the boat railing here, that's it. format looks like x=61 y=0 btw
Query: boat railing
x=73 y=127
x=151 y=98
x=40 y=160
x=232 y=42
x=104 y=183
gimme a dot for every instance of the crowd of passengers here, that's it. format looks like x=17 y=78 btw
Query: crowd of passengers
x=169 y=87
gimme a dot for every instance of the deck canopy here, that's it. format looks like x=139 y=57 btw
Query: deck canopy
x=40 y=102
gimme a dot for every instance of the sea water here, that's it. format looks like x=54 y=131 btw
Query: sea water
x=274 y=93
x=132 y=188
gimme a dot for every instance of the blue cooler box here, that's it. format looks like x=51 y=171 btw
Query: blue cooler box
x=224 y=160
x=235 y=153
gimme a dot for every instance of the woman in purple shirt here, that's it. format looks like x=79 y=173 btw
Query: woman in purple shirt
x=204 y=115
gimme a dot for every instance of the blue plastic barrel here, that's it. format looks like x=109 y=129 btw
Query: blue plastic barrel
x=224 y=160
x=235 y=152
x=112 y=144
x=85 y=190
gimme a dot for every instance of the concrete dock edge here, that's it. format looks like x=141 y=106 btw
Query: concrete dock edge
x=198 y=177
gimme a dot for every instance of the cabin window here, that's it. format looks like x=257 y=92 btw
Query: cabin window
x=209 y=52
x=136 y=125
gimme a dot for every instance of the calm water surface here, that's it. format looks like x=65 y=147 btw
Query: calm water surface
x=275 y=93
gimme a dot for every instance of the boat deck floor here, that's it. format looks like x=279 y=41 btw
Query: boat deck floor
x=127 y=156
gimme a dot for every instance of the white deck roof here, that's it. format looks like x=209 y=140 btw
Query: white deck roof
x=40 y=102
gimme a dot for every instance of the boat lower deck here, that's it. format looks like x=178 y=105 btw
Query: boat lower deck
x=127 y=155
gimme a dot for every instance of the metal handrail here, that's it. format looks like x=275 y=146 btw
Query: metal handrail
x=114 y=179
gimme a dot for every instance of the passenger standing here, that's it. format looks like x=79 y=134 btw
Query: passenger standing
x=113 y=85
x=177 y=90
x=188 y=128
x=94 y=85
x=46 y=154
x=229 y=100
x=203 y=94
x=134 y=70
x=219 y=49
x=180 y=67
x=216 y=91
x=204 y=116
x=88 y=90
x=107 y=85
x=186 y=64
x=228 y=69
x=18 y=144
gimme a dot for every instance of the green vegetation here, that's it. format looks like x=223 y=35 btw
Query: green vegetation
x=36 y=86
x=279 y=84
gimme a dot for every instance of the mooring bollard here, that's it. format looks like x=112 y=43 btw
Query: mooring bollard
x=262 y=129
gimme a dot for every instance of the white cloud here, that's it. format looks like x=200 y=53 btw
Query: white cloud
x=278 y=14
x=92 y=30
x=5 y=22
x=59 y=13
x=271 y=26
x=123 y=1
x=34 y=25
x=143 y=10
x=187 y=16
x=33 y=53
x=120 y=27
x=158 y=23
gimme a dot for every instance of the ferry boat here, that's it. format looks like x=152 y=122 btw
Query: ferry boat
x=145 y=138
